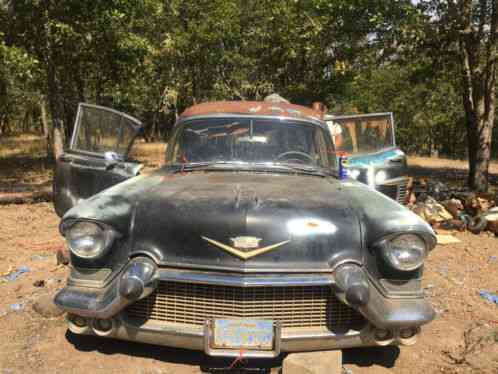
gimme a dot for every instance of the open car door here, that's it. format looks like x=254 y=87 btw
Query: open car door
x=362 y=133
x=97 y=157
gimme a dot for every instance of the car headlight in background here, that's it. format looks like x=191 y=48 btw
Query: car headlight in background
x=88 y=240
x=353 y=173
x=380 y=177
x=405 y=252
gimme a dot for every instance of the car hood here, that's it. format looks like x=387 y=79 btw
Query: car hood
x=303 y=223
x=196 y=220
x=288 y=223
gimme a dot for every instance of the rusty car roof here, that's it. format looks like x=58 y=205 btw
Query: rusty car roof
x=257 y=108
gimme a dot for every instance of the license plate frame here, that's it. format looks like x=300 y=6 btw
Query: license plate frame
x=249 y=337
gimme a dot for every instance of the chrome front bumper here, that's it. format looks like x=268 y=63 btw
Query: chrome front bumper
x=194 y=338
x=87 y=306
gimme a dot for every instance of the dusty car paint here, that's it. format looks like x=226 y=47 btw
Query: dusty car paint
x=257 y=108
x=171 y=217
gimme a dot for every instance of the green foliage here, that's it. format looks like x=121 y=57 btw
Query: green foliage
x=153 y=58
x=17 y=71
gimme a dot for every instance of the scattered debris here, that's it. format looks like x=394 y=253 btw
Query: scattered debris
x=453 y=209
x=489 y=296
x=477 y=225
x=12 y=276
x=46 y=307
x=16 y=307
x=39 y=283
x=432 y=211
x=454 y=224
x=62 y=257
x=447 y=239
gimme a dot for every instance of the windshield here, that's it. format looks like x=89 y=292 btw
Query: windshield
x=251 y=141
x=362 y=134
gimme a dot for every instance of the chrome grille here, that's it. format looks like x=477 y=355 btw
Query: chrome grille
x=402 y=191
x=396 y=191
x=193 y=304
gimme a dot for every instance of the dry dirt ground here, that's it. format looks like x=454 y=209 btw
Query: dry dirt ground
x=29 y=342
x=462 y=339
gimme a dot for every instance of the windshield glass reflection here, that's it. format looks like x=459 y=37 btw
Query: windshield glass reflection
x=241 y=140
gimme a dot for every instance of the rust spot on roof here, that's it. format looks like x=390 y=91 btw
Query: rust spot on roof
x=260 y=108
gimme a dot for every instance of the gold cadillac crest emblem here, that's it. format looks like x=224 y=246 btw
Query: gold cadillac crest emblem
x=244 y=247
x=245 y=242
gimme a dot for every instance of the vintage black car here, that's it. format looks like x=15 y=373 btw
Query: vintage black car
x=244 y=241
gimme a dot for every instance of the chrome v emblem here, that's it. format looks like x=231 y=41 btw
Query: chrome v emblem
x=241 y=254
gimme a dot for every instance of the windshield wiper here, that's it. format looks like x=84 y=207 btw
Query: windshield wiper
x=306 y=169
x=199 y=165
x=310 y=170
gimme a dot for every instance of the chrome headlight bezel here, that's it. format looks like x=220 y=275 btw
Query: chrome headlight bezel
x=380 y=177
x=395 y=253
x=87 y=239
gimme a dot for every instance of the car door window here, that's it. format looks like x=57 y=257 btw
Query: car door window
x=100 y=130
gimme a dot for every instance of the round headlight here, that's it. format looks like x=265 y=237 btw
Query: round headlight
x=380 y=177
x=405 y=252
x=86 y=239
x=353 y=173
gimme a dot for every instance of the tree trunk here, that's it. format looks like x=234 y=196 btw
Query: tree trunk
x=479 y=101
x=58 y=138
x=479 y=130
x=46 y=127
x=55 y=110
x=478 y=60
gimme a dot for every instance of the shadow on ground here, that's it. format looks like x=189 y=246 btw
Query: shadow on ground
x=86 y=343
x=446 y=174
x=380 y=356
x=363 y=357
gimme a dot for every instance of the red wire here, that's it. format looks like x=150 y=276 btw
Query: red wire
x=239 y=358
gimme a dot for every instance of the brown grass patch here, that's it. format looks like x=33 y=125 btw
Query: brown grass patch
x=430 y=162
x=23 y=163
x=152 y=155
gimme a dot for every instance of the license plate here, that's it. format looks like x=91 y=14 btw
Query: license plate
x=244 y=333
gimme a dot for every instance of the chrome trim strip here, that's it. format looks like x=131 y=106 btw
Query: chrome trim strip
x=308 y=120
x=244 y=281
x=394 y=181
x=244 y=270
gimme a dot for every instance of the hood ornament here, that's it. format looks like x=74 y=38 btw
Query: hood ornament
x=245 y=242
x=244 y=247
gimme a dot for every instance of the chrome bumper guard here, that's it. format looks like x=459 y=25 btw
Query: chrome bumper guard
x=141 y=276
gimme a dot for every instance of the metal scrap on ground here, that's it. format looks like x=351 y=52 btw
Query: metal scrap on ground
x=451 y=209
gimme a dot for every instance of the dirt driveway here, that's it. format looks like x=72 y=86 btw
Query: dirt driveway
x=463 y=339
